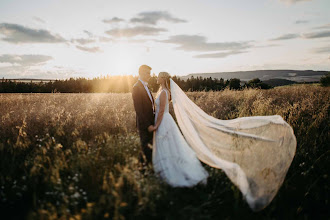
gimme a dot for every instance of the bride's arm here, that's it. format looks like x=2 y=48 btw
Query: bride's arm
x=162 y=100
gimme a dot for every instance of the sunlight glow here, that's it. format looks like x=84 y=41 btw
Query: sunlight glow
x=126 y=59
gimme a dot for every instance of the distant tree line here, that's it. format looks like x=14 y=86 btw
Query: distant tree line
x=122 y=84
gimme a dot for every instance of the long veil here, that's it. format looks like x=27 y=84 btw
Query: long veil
x=255 y=152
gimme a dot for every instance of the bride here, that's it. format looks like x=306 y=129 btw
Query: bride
x=173 y=160
x=254 y=152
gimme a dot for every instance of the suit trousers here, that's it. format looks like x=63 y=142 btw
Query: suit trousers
x=146 y=153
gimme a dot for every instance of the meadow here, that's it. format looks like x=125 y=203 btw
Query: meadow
x=74 y=156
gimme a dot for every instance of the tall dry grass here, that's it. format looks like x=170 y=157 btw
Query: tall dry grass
x=75 y=156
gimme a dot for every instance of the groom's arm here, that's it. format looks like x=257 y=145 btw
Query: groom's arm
x=138 y=106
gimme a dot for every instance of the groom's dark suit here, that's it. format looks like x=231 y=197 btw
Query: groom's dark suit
x=144 y=118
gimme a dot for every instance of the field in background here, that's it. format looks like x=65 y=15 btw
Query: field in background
x=75 y=155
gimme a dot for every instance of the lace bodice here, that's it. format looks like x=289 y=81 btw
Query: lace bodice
x=157 y=103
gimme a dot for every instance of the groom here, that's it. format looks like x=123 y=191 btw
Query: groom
x=145 y=113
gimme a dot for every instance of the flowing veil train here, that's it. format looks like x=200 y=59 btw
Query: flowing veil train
x=255 y=152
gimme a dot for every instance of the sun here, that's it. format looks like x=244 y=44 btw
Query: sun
x=126 y=58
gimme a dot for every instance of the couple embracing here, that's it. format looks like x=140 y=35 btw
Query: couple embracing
x=162 y=143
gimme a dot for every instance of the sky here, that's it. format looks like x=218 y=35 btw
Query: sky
x=48 y=39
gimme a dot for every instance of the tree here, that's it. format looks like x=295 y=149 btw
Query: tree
x=254 y=81
x=325 y=80
x=257 y=83
x=234 y=83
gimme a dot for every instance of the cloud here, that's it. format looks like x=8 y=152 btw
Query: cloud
x=90 y=34
x=320 y=34
x=15 y=33
x=38 y=19
x=113 y=20
x=301 y=21
x=311 y=35
x=89 y=49
x=35 y=72
x=153 y=17
x=134 y=31
x=219 y=55
x=326 y=26
x=286 y=37
x=293 y=1
x=24 y=60
x=105 y=39
x=83 y=41
x=325 y=49
x=267 y=45
x=198 y=43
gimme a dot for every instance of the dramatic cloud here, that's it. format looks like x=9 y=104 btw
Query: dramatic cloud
x=15 y=33
x=198 y=43
x=286 y=37
x=89 y=49
x=134 y=31
x=113 y=20
x=321 y=34
x=301 y=22
x=153 y=17
x=322 y=50
x=219 y=55
x=24 y=60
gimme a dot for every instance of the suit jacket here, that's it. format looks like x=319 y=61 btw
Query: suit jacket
x=143 y=107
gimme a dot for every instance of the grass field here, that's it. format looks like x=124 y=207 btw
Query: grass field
x=75 y=156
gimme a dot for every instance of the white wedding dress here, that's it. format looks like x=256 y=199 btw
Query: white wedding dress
x=173 y=160
x=254 y=152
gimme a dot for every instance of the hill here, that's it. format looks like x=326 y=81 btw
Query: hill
x=279 y=82
x=263 y=75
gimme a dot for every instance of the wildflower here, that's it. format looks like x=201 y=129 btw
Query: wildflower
x=90 y=204
x=76 y=195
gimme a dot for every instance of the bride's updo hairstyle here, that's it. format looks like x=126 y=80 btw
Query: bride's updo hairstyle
x=166 y=76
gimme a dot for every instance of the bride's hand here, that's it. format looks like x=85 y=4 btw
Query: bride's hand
x=151 y=128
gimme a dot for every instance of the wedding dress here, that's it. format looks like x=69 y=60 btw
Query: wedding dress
x=254 y=152
x=173 y=160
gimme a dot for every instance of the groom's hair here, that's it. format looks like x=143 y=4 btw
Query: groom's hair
x=143 y=68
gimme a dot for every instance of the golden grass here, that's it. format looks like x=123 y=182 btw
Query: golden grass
x=75 y=156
